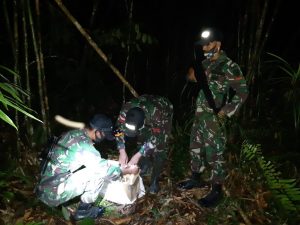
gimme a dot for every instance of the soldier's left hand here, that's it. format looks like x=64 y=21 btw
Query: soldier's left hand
x=222 y=114
x=135 y=159
x=222 y=117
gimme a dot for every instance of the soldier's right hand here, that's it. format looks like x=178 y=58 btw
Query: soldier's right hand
x=123 y=158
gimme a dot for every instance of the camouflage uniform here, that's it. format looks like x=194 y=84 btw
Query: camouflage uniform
x=208 y=139
x=153 y=137
x=74 y=168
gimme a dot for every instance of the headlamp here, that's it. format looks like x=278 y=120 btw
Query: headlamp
x=205 y=34
x=130 y=126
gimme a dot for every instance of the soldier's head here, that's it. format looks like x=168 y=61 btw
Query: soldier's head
x=210 y=39
x=134 y=121
x=102 y=128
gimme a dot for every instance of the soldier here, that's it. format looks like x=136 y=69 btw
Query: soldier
x=214 y=104
x=74 y=167
x=149 y=118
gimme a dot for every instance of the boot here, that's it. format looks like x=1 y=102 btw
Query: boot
x=145 y=166
x=87 y=210
x=194 y=182
x=158 y=163
x=213 y=198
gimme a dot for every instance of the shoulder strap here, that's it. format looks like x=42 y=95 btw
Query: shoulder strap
x=204 y=86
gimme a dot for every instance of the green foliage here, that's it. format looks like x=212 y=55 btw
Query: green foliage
x=284 y=191
x=6 y=193
x=10 y=97
x=180 y=148
x=120 y=37
x=87 y=221
x=290 y=82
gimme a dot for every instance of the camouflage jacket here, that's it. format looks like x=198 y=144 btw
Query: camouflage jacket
x=222 y=75
x=158 y=115
x=73 y=151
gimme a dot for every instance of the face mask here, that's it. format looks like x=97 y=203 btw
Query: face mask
x=97 y=139
x=211 y=53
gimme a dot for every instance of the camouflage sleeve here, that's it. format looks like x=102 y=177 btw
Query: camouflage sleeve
x=120 y=124
x=157 y=134
x=237 y=82
x=87 y=155
x=90 y=157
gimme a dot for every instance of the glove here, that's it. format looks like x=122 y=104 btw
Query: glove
x=113 y=173
x=135 y=159
x=123 y=158
x=147 y=149
x=118 y=133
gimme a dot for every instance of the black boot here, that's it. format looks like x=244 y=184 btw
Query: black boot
x=213 y=198
x=193 y=182
x=145 y=166
x=158 y=163
x=87 y=210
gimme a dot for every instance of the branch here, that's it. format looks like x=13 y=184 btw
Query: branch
x=95 y=46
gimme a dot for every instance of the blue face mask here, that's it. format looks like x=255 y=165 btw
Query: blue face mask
x=211 y=53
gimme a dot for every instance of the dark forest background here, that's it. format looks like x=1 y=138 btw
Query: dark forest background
x=49 y=68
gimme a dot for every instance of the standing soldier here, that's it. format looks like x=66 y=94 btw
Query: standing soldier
x=149 y=118
x=214 y=104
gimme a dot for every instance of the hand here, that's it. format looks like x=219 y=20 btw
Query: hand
x=123 y=158
x=135 y=159
x=222 y=117
x=132 y=169
x=191 y=75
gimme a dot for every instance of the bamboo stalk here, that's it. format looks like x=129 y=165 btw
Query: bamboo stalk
x=95 y=46
x=16 y=65
x=39 y=69
x=26 y=67
x=42 y=66
x=130 y=9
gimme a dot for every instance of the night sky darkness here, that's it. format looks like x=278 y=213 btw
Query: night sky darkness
x=160 y=69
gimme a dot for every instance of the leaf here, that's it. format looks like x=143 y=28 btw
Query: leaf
x=3 y=100
x=137 y=28
x=87 y=221
x=5 y=118
x=8 y=88
x=9 y=70
x=144 y=38
x=23 y=111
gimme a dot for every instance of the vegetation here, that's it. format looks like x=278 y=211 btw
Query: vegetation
x=45 y=61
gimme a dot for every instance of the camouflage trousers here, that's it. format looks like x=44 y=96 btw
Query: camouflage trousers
x=207 y=144
x=86 y=183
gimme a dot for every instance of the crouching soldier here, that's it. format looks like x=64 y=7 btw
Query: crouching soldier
x=149 y=119
x=74 y=168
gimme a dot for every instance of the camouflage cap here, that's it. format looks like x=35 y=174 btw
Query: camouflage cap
x=134 y=121
x=103 y=123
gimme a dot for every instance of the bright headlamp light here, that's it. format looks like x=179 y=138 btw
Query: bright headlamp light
x=205 y=34
x=130 y=126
